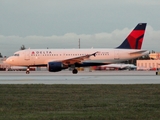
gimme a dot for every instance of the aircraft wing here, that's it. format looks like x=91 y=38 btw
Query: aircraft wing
x=79 y=59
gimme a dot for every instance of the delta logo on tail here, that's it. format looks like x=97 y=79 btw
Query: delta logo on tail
x=135 y=38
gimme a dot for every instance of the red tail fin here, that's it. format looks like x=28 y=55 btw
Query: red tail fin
x=135 y=38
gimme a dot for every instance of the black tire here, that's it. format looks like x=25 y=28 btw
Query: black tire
x=74 y=71
x=27 y=72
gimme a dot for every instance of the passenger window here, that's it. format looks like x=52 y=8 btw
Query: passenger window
x=16 y=54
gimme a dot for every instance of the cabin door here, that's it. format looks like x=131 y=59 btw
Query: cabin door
x=116 y=55
x=27 y=55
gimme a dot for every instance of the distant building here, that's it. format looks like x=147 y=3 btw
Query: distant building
x=155 y=56
x=148 y=64
x=152 y=64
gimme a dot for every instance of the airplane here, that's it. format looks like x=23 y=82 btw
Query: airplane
x=58 y=59
x=120 y=66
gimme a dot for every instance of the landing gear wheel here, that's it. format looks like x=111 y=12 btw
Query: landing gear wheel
x=74 y=71
x=27 y=71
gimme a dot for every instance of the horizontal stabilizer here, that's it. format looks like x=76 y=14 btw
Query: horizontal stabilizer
x=138 y=52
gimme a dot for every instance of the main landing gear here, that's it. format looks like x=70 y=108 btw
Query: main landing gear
x=74 y=71
x=27 y=71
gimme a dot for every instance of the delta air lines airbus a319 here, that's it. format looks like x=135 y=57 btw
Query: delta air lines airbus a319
x=58 y=59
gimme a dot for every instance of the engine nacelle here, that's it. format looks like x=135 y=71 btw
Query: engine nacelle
x=55 y=66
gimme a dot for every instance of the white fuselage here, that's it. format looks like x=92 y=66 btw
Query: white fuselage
x=39 y=57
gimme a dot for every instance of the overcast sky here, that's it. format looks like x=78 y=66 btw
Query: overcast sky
x=60 y=23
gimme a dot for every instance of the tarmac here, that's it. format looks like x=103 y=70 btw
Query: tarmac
x=83 y=77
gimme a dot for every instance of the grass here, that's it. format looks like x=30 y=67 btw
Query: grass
x=70 y=102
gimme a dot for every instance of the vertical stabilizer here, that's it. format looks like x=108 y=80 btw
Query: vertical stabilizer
x=135 y=38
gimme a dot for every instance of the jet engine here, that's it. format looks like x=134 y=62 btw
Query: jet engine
x=55 y=66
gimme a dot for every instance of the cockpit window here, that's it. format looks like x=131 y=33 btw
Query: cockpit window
x=16 y=54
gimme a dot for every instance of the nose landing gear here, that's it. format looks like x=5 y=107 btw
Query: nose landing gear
x=27 y=71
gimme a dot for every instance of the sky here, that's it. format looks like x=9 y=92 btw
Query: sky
x=61 y=23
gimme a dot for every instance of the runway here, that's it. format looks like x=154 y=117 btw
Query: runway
x=83 y=77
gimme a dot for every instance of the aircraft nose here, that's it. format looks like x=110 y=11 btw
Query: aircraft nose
x=9 y=60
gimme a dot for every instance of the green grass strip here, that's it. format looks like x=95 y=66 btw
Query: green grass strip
x=70 y=102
